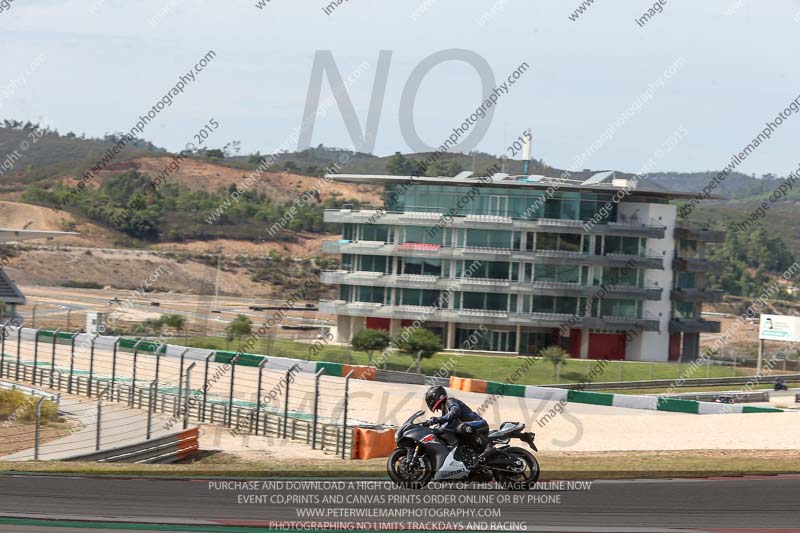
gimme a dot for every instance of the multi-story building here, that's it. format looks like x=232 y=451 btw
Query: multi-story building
x=599 y=265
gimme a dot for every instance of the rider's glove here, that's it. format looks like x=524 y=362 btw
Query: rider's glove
x=434 y=421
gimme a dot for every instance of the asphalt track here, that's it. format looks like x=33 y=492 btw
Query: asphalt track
x=51 y=504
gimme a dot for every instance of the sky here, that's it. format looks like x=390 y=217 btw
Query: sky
x=95 y=66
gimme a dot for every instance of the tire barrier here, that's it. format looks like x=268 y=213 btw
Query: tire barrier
x=371 y=443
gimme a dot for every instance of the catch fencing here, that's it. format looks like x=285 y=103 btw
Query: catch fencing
x=245 y=393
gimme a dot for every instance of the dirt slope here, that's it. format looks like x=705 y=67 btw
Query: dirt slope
x=279 y=186
x=26 y=216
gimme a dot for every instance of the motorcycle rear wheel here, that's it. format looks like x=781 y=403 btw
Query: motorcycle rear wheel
x=526 y=479
x=414 y=477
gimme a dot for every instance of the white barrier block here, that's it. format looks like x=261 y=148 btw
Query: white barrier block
x=635 y=402
x=546 y=393
x=713 y=408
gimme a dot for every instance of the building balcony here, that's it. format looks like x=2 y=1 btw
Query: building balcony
x=699 y=234
x=557 y=257
x=486 y=221
x=473 y=284
x=693 y=325
x=482 y=316
x=693 y=264
x=697 y=295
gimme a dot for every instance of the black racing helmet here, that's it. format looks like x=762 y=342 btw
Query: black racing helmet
x=435 y=397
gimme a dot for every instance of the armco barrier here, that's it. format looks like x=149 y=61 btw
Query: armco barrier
x=166 y=449
x=373 y=443
x=651 y=403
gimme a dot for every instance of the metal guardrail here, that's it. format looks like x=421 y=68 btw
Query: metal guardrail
x=166 y=449
x=699 y=382
x=738 y=397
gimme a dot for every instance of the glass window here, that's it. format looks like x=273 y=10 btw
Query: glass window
x=547 y=241
x=543 y=304
x=372 y=263
x=570 y=209
x=488 y=239
x=685 y=310
x=417 y=265
x=370 y=294
x=621 y=308
x=546 y=272
x=569 y=242
x=684 y=280
x=552 y=208
x=374 y=232
x=567 y=306
x=621 y=276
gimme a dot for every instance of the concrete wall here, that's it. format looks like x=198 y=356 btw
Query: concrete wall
x=652 y=346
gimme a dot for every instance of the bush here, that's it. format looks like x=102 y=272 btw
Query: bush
x=412 y=341
x=82 y=284
x=16 y=406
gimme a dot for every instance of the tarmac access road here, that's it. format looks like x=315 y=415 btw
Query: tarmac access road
x=52 y=504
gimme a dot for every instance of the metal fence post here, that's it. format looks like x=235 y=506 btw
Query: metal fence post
x=3 y=349
x=114 y=365
x=315 y=419
x=52 y=358
x=258 y=394
x=37 y=431
x=135 y=364
x=344 y=419
x=286 y=401
x=99 y=417
x=158 y=364
x=19 y=348
x=206 y=385
x=153 y=385
x=71 y=362
x=35 y=353
x=186 y=397
x=180 y=377
x=91 y=367
x=230 y=396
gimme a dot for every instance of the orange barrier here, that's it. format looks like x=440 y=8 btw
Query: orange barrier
x=474 y=385
x=371 y=443
x=359 y=372
x=189 y=443
x=468 y=385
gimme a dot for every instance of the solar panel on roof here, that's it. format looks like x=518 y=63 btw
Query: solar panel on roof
x=600 y=177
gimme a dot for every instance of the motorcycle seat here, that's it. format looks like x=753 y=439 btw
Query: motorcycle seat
x=506 y=428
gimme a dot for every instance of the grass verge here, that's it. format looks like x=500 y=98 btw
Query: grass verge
x=489 y=367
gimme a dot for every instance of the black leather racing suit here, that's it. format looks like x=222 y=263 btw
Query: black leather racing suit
x=458 y=417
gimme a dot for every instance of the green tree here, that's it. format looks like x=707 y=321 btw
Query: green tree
x=444 y=168
x=239 y=327
x=400 y=165
x=556 y=355
x=174 y=321
x=370 y=340
x=415 y=340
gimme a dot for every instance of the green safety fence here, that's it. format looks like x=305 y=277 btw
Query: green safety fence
x=245 y=359
x=505 y=389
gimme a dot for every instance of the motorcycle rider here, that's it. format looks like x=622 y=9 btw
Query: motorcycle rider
x=457 y=417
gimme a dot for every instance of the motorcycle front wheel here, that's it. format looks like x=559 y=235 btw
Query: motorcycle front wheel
x=409 y=476
x=526 y=478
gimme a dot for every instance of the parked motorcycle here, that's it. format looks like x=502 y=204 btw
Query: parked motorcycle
x=424 y=454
